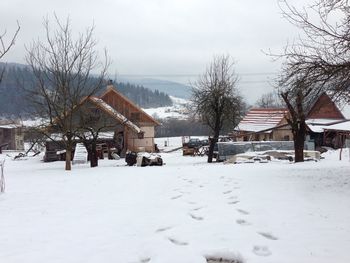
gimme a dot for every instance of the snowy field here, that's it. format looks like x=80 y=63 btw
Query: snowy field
x=177 y=111
x=182 y=212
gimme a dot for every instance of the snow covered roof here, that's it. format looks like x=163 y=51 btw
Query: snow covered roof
x=117 y=115
x=319 y=125
x=323 y=121
x=35 y=122
x=318 y=128
x=10 y=126
x=102 y=135
x=259 y=119
x=343 y=126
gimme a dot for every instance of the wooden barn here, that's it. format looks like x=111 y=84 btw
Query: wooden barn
x=270 y=124
x=122 y=125
x=134 y=114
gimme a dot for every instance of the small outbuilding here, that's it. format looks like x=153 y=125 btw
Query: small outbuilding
x=11 y=136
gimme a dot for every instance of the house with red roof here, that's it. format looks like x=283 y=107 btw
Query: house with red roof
x=324 y=120
x=264 y=124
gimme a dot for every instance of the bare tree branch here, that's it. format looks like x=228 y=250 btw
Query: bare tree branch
x=5 y=46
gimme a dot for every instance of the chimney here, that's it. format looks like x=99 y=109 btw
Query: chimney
x=110 y=84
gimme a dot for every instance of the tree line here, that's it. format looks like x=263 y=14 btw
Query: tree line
x=17 y=78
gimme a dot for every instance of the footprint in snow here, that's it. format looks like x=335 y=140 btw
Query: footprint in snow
x=223 y=260
x=176 y=197
x=233 y=202
x=197 y=208
x=227 y=192
x=177 y=242
x=242 y=222
x=268 y=235
x=261 y=251
x=195 y=217
x=243 y=211
x=233 y=197
x=145 y=260
x=162 y=229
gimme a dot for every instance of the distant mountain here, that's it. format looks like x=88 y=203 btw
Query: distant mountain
x=169 y=87
x=13 y=99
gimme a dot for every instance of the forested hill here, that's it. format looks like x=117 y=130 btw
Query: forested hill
x=13 y=100
x=144 y=97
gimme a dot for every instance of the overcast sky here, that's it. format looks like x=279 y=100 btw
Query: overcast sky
x=164 y=37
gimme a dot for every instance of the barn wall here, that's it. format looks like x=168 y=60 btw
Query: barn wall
x=282 y=135
x=146 y=143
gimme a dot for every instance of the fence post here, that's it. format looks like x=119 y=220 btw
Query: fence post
x=2 y=177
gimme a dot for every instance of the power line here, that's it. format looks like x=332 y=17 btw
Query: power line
x=195 y=75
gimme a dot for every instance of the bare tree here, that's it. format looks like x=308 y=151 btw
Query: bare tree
x=63 y=67
x=215 y=98
x=322 y=52
x=90 y=122
x=299 y=99
x=317 y=61
x=5 y=46
x=270 y=100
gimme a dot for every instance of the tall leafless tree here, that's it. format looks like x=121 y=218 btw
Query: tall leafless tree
x=215 y=98
x=63 y=67
x=317 y=61
x=299 y=98
x=5 y=46
x=322 y=52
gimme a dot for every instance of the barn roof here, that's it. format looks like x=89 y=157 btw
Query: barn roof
x=115 y=114
x=324 y=107
x=260 y=119
x=112 y=90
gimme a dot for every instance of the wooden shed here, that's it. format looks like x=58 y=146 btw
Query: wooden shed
x=11 y=136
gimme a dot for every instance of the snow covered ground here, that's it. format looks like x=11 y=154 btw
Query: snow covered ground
x=181 y=212
x=178 y=110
